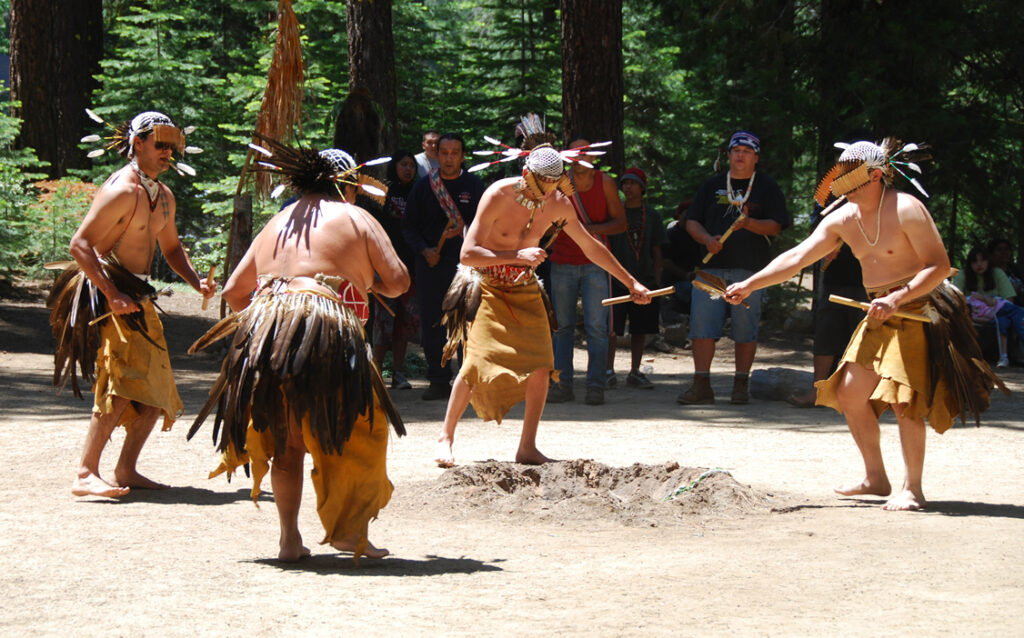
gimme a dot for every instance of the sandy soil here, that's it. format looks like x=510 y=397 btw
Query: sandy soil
x=584 y=547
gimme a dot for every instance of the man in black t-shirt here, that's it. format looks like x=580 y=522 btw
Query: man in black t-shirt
x=425 y=223
x=752 y=205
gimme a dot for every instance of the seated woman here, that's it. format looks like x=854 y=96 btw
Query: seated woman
x=988 y=291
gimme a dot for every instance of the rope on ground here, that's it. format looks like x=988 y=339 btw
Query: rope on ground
x=686 y=488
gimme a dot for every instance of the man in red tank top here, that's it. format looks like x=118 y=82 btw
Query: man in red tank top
x=573 y=276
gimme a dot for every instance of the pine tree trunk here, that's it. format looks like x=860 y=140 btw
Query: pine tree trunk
x=371 y=63
x=592 y=84
x=55 y=50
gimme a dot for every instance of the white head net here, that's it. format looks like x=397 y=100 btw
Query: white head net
x=866 y=152
x=338 y=159
x=545 y=162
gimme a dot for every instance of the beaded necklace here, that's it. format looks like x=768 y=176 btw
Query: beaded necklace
x=528 y=203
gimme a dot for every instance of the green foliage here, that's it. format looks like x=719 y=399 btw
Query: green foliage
x=801 y=73
x=18 y=230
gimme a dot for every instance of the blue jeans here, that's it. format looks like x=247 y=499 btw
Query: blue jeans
x=1008 y=316
x=569 y=282
x=707 y=315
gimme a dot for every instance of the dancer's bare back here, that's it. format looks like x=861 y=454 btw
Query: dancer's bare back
x=317 y=235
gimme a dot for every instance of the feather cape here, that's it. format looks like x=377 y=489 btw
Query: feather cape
x=74 y=302
x=292 y=356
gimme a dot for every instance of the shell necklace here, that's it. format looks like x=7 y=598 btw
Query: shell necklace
x=734 y=199
x=878 y=226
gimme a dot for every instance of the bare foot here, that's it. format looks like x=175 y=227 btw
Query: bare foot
x=531 y=457
x=370 y=551
x=93 y=485
x=443 y=455
x=134 y=479
x=805 y=400
x=877 y=487
x=293 y=552
x=905 y=501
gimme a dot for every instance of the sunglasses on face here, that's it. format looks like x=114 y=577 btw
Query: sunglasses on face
x=163 y=146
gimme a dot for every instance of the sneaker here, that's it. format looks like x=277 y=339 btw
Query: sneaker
x=437 y=392
x=559 y=393
x=399 y=382
x=740 y=391
x=609 y=379
x=1003 y=362
x=595 y=396
x=639 y=380
x=699 y=392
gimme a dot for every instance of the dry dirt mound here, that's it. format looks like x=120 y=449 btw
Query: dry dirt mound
x=584 y=489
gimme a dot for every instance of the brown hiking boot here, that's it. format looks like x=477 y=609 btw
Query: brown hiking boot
x=740 y=390
x=698 y=393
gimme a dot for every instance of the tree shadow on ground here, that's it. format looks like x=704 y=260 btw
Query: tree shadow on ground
x=184 y=495
x=329 y=564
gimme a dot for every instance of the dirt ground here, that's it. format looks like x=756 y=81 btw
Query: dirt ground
x=586 y=546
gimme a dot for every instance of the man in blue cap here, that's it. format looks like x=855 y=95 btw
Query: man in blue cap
x=752 y=206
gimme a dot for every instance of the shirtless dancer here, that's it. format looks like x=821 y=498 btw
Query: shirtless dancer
x=130 y=216
x=903 y=260
x=503 y=242
x=318 y=259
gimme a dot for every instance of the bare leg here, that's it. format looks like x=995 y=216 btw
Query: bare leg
x=703 y=354
x=458 y=400
x=139 y=430
x=854 y=392
x=536 y=396
x=745 y=356
x=88 y=481
x=912 y=439
x=286 y=481
x=636 y=351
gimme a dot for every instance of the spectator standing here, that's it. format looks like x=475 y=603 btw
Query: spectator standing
x=428 y=158
x=639 y=251
x=440 y=206
x=752 y=205
x=573 y=276
x=396 y=330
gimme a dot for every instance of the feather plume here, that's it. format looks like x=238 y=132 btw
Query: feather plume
x=95 y=118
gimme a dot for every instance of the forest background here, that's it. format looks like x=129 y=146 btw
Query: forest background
x=669 y=81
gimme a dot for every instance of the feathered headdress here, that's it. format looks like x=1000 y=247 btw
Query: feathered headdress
x=122 y=140
x=857 y=160
x=310 y=171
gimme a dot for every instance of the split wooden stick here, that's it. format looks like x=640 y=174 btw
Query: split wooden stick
x=844 y=301
x=209 y=281
x=725 y=236
x=660 y=292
